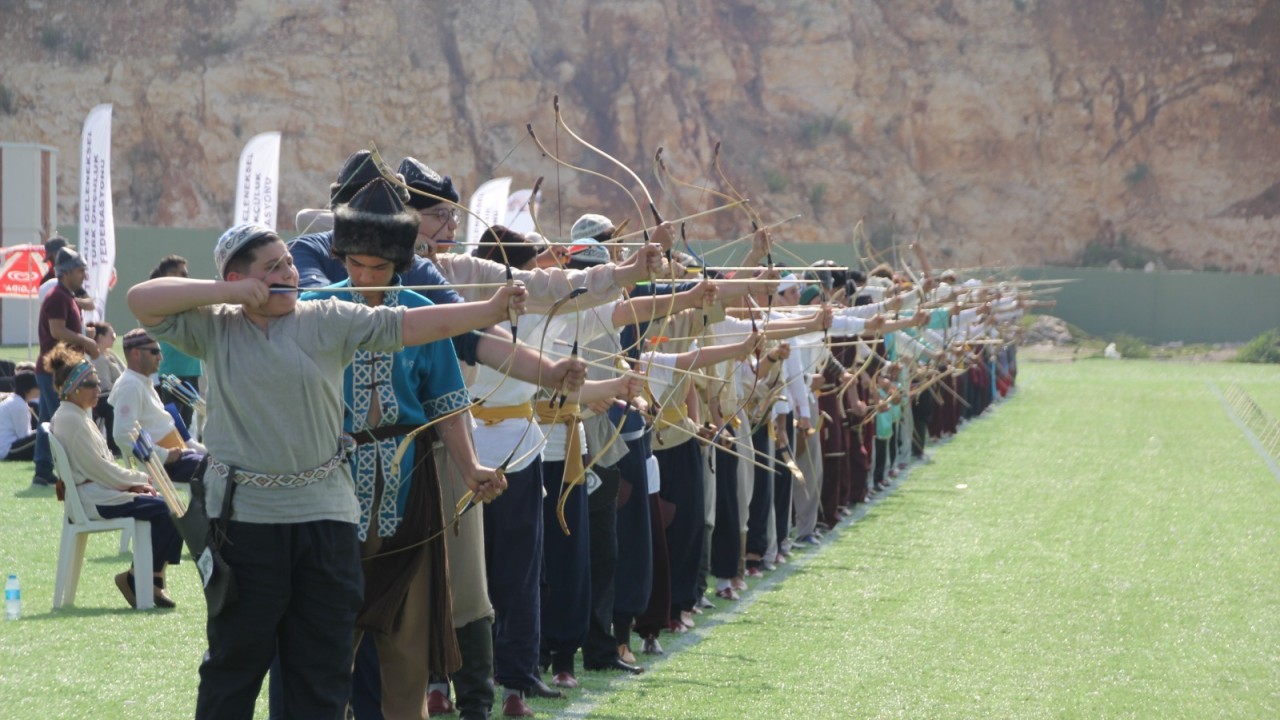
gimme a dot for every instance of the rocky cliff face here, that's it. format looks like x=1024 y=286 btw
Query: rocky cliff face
x=996 y=131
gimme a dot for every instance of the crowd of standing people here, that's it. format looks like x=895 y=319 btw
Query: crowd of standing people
x=444 y=482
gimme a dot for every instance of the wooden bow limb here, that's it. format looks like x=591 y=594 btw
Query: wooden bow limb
x=687 y=218
x=790 y=462
x=561 y=123
x=779 y=268
x=952 y=390
x=795 y=256
x=630 y=373
x=564 y=163
x=390 y=288
x=740 y=456
x=662 y=165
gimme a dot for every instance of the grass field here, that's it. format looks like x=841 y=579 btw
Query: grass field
x=1102 y=546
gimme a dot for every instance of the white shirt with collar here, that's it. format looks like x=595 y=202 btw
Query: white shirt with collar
x=135 y=401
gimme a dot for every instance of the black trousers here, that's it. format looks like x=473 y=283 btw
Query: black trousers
x=24 y=449
x=633 y=574
x=566 y=571
x=166 y=543
x=513 y=556
x=782 y=485
x=602 y=511
x=883 y=461
x=300 y=587
x=682 y=485
x=761 y=499
x=726 y=541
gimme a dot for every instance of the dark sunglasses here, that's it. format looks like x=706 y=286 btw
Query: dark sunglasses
x=152 y=350
x=90 y=384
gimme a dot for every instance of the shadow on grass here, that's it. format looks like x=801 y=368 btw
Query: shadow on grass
x=35 y=491
x=73 y=613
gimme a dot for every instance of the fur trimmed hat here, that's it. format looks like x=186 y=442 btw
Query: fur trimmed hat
x=359 y=170
x=420 y=177
x=375 y=222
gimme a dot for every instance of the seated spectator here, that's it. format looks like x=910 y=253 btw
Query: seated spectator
x=106 y=489
x=109 y=367
x=17 y=421
x=136 y=403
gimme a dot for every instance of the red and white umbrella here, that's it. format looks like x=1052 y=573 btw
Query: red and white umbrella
x=21 y=268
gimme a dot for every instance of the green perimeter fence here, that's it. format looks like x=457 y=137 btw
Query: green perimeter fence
x=1159 y=307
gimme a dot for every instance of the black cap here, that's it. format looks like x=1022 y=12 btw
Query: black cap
x=359 y=170
x=420 y=177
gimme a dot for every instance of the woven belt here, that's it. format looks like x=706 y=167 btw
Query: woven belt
x=292 y=480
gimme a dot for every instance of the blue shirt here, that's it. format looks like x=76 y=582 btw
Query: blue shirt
x=317 y=267
x=414 y=385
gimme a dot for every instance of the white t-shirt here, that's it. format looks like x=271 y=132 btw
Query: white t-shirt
x=15 y=422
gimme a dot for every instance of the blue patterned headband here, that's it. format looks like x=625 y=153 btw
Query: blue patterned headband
x=76 y=378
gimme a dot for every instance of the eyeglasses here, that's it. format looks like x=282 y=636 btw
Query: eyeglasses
x=90 y=384
x=153 y=351
x=445 y=215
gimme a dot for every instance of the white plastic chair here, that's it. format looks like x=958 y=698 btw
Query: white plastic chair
x=75 y=535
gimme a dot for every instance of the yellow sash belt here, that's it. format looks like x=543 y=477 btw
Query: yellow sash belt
x=494 y=415
x=574 y=473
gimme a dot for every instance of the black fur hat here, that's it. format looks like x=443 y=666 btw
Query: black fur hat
x=420 y=177
x=359 y=169
x=376 y=223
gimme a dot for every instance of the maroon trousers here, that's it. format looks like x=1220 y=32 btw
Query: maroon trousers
x=835 y=461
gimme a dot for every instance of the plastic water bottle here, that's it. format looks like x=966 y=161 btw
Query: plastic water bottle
x=12 y=599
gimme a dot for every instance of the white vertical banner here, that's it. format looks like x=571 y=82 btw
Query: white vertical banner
x=488 y=206
x=522 y=208
x=258 y=180
x=97 y=219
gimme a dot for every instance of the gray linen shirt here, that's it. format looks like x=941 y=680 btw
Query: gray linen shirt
x=275 y=399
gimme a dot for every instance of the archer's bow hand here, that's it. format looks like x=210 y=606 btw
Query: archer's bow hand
x=761 y=246
x=568 y=373
x=824 y=317
x=664 y=235
x=628 y=387
x=509 y=300
x=702 y=294
x=641 y=265
x=782 y=352
x=751 y=344
x=485 y=482
x=767 y=278
x=249 y=292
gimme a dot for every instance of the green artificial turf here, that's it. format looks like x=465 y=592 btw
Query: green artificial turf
x=1112 y=554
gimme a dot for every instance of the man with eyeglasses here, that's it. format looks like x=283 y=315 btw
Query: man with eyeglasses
x=136 y=404
x=431 y=195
